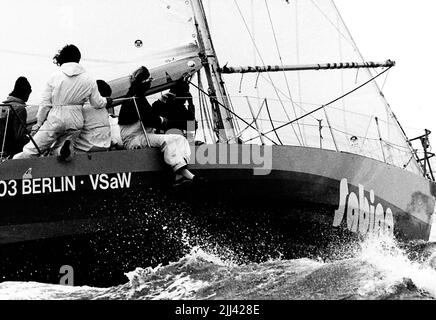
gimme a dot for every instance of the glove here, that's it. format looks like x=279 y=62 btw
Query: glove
x=109 y=102
x=163 y=123
x=34 y=129
x=167 y=97
x=25 y=140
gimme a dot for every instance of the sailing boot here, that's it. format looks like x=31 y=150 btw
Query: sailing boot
x=66 y=152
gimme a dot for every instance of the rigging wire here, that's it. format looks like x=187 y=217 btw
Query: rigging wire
x=402 y=149
x=330 y=128
x=332 y=23
x=408 y=162
x=395 y=146
x=297 y=51
x=254 y=120
x=272 y=123
x=209 y=123
x=240 y=133
x=4 y=135
x=331 y=102
x=381 y=140
x=384 y=82
x=200 y=106
x=261 y=58
x=240 y=82
x=341 y=58
x=366 y=132
x=253 y=28
x=232 y=107
x=357 y=76
x=282 y=65
x=281 y=92
x=368 y=152
x=236 y=115
x=255 y=84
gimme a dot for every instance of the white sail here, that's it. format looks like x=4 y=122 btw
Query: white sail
x=105 y=31
x=258 y=32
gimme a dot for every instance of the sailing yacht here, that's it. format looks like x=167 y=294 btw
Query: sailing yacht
x=300 y=150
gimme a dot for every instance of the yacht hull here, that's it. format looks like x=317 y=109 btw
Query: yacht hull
x=107 y=213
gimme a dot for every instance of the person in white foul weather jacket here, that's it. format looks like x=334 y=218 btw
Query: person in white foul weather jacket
x=96 y=131
x=60 y=113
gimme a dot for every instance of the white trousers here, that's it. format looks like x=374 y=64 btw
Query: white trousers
x=62 y=122
x=175 y=148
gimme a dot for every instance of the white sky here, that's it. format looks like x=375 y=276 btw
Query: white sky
x=403 y=31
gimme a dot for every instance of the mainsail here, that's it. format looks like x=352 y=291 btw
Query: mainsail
x=244 y=32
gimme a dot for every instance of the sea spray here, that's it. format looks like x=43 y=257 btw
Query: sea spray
x=183 y=279
x=396 y=267
x=375 y=269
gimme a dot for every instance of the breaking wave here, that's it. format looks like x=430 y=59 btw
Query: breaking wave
x=375 y=269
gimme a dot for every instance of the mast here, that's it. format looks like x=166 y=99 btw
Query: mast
x=218 y=96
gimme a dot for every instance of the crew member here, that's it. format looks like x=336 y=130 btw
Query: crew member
x=175 y=148
x=96 y=132
x=13 y=132
x=172 y=106
x=60 y=112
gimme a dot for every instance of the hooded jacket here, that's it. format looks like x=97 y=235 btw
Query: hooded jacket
x=69 y=85
x=129 y=114
x=15 y=132
x=174 y=110
x=96 y=132
x=130 y=108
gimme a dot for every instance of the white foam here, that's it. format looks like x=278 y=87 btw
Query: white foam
x=395 y=267
x=182 y=287
x=42 y=291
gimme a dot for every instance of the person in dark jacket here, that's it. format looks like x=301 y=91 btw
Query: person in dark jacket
x=13 y=132
x=134 y=134
x=172 y=106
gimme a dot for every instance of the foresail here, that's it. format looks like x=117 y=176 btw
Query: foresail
x=277 y=33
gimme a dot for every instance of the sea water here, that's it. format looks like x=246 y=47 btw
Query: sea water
x=373 y=269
